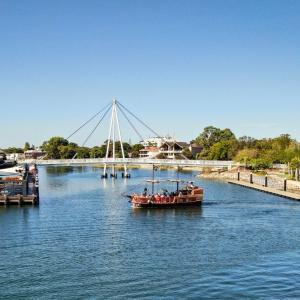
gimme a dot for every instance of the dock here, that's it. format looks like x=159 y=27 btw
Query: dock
x=265 y=189
x=18 y=199
x=22 y=189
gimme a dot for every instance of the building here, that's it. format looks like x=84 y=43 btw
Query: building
x=173 y=149
x=168 y=147
x=34 y=154
x=156 y=141
x=149 y=152
x=195 y=149
x=15 y=156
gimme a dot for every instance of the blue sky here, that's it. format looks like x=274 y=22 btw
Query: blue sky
x=180 y=65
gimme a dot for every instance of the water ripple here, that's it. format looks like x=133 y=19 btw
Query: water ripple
x=85 y=241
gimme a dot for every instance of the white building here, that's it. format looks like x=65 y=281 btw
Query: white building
x=149 y=152
x=15 y=156
x=168 y=146
x=173 y=149
x=157 y=141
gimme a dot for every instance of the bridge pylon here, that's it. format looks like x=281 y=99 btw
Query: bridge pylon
x=114 y=135
x=114 y=129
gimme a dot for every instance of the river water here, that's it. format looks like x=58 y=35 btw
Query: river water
x=84 y=241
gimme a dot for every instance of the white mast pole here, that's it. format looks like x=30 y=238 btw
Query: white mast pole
x=120 y=138
x=113 y=134
x=108 y=140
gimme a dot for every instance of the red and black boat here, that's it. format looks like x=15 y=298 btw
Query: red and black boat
x=185 y=194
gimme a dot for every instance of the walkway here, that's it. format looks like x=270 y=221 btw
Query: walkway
x=135 y=161
x=268 y=190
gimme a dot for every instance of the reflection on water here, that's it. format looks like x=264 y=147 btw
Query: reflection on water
x=60 y=170
x=86 y=241
x=65 y=170
x=188 y=212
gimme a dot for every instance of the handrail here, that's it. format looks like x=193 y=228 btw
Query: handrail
x=171 y=162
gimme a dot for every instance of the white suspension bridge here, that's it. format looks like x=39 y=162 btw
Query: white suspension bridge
x=135 y=161
x=114 y=135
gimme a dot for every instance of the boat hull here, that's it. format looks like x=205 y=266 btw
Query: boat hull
x=166 y=205
x=191 y=196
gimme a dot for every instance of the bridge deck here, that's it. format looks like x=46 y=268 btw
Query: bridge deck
x=135 y=161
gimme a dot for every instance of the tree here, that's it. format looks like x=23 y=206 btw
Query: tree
x=83 y=152
x=137 y=147
x=135 y=150
x=291 y=152
x=224 y=150
x=226 y=135
x=27 y=146
x=295 y=163
x=98 y=152
x=13 y=150
x=52 y=147
x=126 y=147
x=246 y=142
x=260 y=164
x=211 y=136
x=284 y=141
x=208 y=137
x=67 y=151
x=245 y=156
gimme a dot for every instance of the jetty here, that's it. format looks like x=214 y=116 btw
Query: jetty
x=21 y=189
x=18 y=199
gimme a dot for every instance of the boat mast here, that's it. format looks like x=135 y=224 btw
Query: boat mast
x=177 y=185
x=153 y=169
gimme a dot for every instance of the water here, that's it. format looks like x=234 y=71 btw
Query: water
x=85 y=241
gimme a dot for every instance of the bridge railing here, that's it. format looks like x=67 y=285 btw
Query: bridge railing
x=171 y=162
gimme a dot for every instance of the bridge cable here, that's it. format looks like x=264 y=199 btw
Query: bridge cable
x=98 y=123
x=89 y=120
x=137 y=118
x=85 y=141
x=131 y=124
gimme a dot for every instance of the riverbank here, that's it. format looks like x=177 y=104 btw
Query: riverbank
x=266 y=189
x=275 y=178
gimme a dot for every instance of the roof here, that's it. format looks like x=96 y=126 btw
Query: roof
x=180 y=144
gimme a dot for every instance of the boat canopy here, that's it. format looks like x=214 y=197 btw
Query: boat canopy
x=155 y=181
x=167 y=180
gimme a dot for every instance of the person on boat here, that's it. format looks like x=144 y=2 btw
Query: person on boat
x=191 y=184
x=165 y=192
x=145 y=191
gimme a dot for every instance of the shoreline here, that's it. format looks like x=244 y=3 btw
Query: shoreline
x=276 y=179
